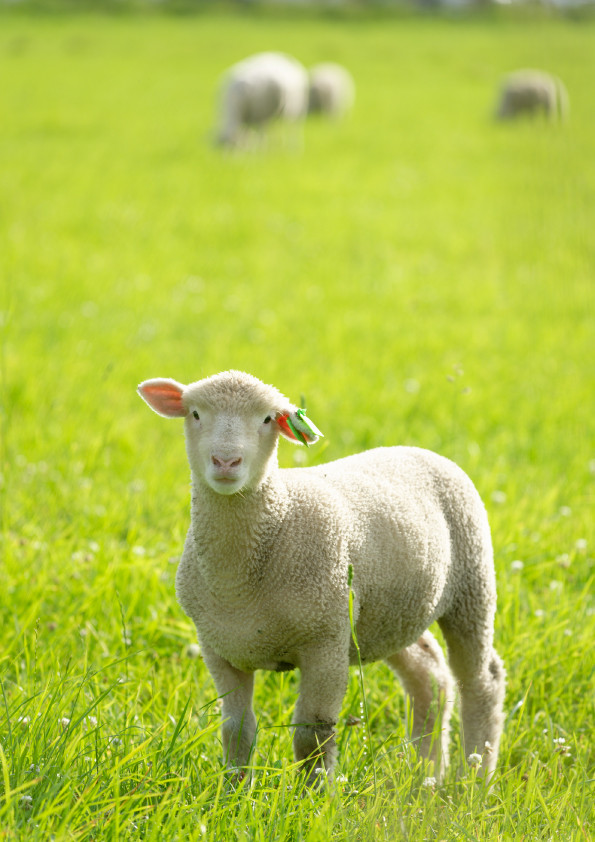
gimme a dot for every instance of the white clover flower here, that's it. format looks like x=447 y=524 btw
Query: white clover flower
x=555 y=585
x=539 y=612
x=488 y=747
x=26 y=801
x=24 y=721
x=516 y=565
x=429 y=783
x=474 y=760
x=91 y=721
x=411 y=385
x=559 y=741
x=139 y=551
x=65 y=722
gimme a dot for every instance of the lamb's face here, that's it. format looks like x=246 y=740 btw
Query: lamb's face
x=229 y=451
x=232 y=423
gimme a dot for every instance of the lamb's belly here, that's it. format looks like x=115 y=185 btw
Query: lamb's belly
x=250 y=646
x=395 y=618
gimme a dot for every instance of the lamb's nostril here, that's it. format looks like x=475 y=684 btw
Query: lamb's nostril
x=226 y=464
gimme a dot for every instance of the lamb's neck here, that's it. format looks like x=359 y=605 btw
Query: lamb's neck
x=233 y=534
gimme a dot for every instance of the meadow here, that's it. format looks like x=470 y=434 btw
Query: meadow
x=420 y=274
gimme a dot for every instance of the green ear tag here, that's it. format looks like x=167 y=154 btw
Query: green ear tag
x=309 y=425
x=297 y=433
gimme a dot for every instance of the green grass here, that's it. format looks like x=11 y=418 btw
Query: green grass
x=422 y=275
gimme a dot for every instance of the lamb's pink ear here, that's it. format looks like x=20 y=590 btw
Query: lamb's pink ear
x=164 y=396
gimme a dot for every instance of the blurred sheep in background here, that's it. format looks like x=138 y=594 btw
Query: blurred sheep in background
x=527 y=93
x=257 y=91
x=332 y=90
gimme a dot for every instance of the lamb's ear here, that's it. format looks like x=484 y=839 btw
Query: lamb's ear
x=164 y=396
x=298 y=428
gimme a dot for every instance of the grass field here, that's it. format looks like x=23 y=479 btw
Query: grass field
x=421 y=275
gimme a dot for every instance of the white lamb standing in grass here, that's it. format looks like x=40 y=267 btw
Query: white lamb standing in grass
x=332 y=90
x=531 y=92
x=261 y=89
x=265 y=573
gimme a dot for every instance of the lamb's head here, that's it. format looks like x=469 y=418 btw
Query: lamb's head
x=233 y=422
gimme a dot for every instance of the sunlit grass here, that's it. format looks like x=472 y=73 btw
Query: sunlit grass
x=421 y=275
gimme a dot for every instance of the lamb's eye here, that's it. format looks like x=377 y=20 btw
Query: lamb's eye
x=267 y=420
x=196 y=415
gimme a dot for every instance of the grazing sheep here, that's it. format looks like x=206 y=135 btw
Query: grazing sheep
x=530 y=92
x=332 y=91
x=265 y=573
x=258 y=90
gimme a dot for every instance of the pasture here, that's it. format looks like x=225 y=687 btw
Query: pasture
x=420 y=274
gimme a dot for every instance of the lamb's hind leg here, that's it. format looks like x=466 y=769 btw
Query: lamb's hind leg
x=481 y=678
x=426 y=678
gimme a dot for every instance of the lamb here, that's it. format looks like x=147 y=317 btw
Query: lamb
x=259 y=90
x=529 y=92
x=332 y=90
x=271 y=554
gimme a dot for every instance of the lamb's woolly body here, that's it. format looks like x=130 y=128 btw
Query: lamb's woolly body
x=264 y=573
x=258 y=90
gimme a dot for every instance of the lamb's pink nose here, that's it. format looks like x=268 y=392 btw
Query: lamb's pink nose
x=226 y=464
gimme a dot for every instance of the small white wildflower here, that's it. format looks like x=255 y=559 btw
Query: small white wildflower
x=498 y=497
x=539 y=612
x=580 y=544
x=565 y=511
x=24 y=721
x=34 y=767
x=559 y=741
x=26 y=801
x=516 y=565
x=203 y=829
x=429 y=783
x=94 y=546
x=563 y=560
x=193 y=650
x=126 y=640
x=474 y=760
x=115 y=741
x=555 y=585
x=65 y=722
x=139 y=551
x=91 y=721
x=488 y=747
x=342 y=779
x=567 y=633
x=411 y=385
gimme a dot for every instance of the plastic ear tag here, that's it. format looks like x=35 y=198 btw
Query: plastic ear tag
x=296 y=426
x=308 y=426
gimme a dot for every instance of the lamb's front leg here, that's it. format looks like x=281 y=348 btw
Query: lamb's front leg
x=324 y=677
x=238 y=729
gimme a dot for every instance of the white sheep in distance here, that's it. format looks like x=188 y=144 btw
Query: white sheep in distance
x=527 y=93
x=266 y=567
x=332 y=90
x=261 y=89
